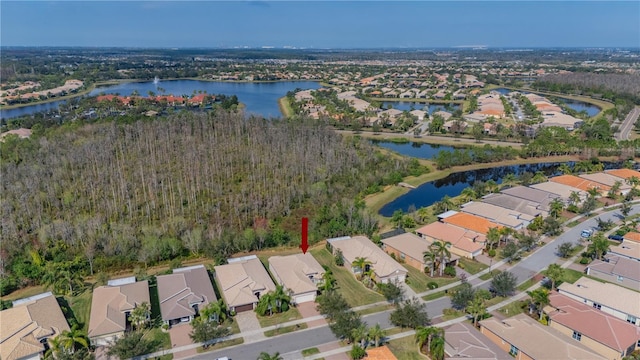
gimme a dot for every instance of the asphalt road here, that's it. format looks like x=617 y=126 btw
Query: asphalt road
x=313 y=337
x=627 y=124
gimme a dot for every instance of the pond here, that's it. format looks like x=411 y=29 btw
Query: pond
x=413 y=149
x=430 y=108
x=452 y=185
x=259 y=98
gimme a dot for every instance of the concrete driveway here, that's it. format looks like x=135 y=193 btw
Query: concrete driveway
x=249 y=325
x=308 y=310
x=179 y=337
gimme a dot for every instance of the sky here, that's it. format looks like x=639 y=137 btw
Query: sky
x=320 y=24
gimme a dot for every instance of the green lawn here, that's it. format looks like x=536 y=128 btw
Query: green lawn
x=222 y=344
x=275 y=319
x=284 y=330
x=416 y=279
x=433 y=296
x=490 y=275
x=353 y=291
x=405 y=349
x=310 y=351
x=513 y=308
x=81 y=307
x=155 y=303
x=375 y=309
x=163 y=338
x=525 y=285
x=472 y=266
x=493 y=301
x=570 y=276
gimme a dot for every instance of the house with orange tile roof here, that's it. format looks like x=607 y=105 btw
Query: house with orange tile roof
x=380 y=353
x=608 y=180
x=603 y=333
x=465 y=243
x=624 y=173
x=470 y=222
x=632 y=236
x=580 y=183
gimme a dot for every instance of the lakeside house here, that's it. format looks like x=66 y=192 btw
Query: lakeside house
x=27 y=327
x=532 y=208
x=580 y=183
x=242 y=281
x=299 y=273
x=183 y=293
x=608 y=180
x=468 y=221
x=562 y=190
x=384 y=267
x=464 y=243
x=111 y=306
x=497 y=214
x=535 y=195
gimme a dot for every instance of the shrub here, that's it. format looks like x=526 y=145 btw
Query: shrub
x=432 y=285
x=450 y=271
x=461 y=265
x=491 y=253
x=338 y=258
x=584 y=260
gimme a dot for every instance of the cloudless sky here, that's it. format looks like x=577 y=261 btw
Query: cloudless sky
x=320 y=24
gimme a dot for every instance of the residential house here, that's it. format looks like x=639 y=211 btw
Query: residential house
x=183 y=293
x=539 y=196
x=612 y=299
x=580 y=183
x=632 y=236
x=465 y=243
x=628 y=249
x=562 y=190
x=624 y=173
x=111 y=306
x=242 y=281
x=470 y=222
x=298 y=273
x=26 y=328
x=524 y=206
x=608 y=180
x=463 y=342
x=499 y=215
x=618 y=270
x=526 y=339
x=384 y=267
x=605 y=334
x=380 y=353
x=409 y=248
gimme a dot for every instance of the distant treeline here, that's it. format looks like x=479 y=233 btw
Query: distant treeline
x=606 y=86
x=111 y=195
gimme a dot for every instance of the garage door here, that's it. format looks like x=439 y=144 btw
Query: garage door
x=298 y=299
x=242 y=308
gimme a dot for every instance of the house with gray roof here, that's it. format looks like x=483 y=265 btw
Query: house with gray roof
x=524 y=206
x=183 y=293
x=544 y=198
x=463 y=342
x=615 y=269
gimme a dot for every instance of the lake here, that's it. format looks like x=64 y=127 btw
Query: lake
x=413 y=149
x=452 y=185
x=259 y=98
x=410 y=105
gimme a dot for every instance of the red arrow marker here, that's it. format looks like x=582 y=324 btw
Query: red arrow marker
x=305 y=230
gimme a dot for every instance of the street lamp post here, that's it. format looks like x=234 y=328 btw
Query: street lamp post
x=490 y=263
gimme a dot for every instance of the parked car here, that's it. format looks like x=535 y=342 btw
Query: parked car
x=616 y=237
x=586 y=233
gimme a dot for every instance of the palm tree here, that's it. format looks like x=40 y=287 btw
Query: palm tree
x=360 y=264
x=492 y=186
x=555 y=207
x=509 y=179
x=376 y=334
x=599 y=245
x=441 y=249
x=55 y=346
x=565 y=169
x=555 y=273
x=215 y=311
x=267 y=356
x=505 y=233
x=539 y=177
x=615 y=188
x=436 y=350
x=266 y=304
x=430 y=258
x=582 y=166
x=493 y=237
x=140 y=315
x=281 y=298
x=359 y=334
x=425 y=335
x=476 y=309
x=467 y=195
x=634 y=181
x=73 y=339
x=593 y=192
x=539 y=298
x=574 y=198
x=328 y=281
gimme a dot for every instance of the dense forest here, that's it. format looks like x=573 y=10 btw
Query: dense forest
x=106 y=195
x=606 y=86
